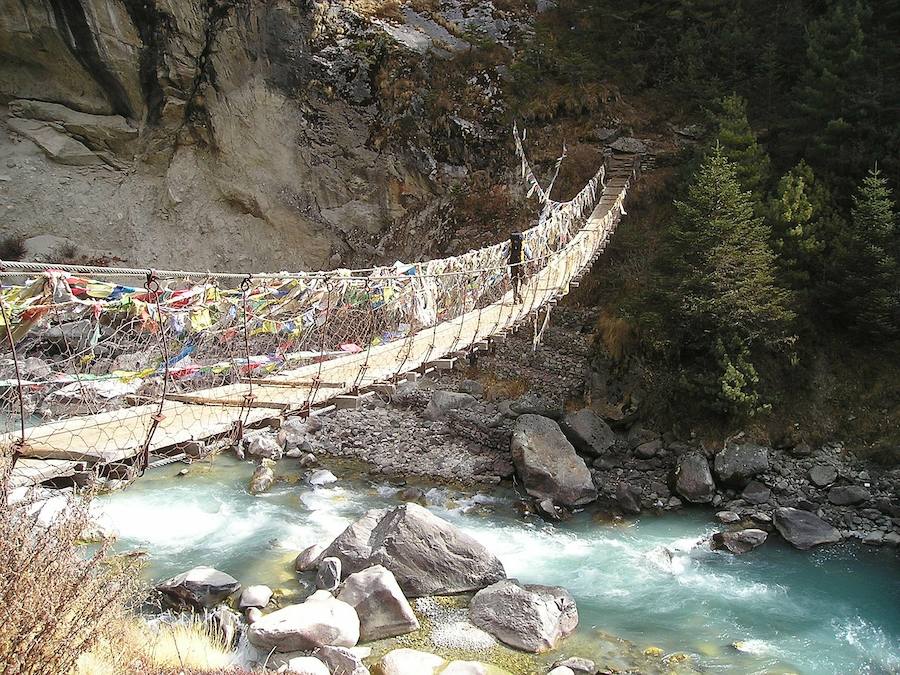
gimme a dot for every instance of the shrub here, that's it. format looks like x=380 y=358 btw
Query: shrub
x=12 y=247
x=57 y=599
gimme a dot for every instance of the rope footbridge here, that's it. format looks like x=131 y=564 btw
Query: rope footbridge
x=101 y=368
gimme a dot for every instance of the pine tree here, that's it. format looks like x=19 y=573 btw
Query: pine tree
x=724 y=297
x=739 y=145
x=834 y=94
x=865 y=276
x=805 y=221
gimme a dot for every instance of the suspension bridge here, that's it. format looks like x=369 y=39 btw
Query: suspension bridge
x=106 y=368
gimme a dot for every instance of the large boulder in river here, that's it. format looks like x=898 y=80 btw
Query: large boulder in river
x=320 y=620
x=739 y=541
x=693 y=480
x=200 y=587
x=443 y=402
x=529 y=617
x=738 y=463
x=588 y=432
x=263 y=477
x=547 y=463
x=426 y=554
x=409 y=662
x=804 y=529
x=378 y=600
x=848 y=495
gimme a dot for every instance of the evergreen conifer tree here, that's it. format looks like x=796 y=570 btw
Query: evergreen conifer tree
x=864 y=278
x=725 y=300
x=805 y=221
x=739 y=145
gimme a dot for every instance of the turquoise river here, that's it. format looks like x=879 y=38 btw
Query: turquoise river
x=833 y=610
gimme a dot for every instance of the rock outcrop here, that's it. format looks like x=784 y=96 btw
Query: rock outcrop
x=547 y=463
x=200 y=587
x=693 y=480
x=378 y=600
x=319 y=621
x=444 y=401
x=530 y=617
x=426 y=554
x=738 y=463
x=803 y=529
x=588 y=432
x=739 y=541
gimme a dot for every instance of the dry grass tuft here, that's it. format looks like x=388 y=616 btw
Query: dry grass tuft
x=617 y=334
x=190 y=646
x=57 y=598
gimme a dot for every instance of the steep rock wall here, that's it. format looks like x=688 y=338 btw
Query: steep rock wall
x=266 y=139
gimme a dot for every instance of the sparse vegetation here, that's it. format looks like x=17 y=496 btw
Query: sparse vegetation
x=12 y=247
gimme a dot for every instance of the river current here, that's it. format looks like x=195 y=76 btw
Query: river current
x=832 y=610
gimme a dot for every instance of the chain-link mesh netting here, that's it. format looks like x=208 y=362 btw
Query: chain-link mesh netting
x=106 y=366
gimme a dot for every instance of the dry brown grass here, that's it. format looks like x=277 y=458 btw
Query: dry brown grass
x=383 y=9
x=57 y=599
x=617 y=334
x=136 y=647
x=498 y=389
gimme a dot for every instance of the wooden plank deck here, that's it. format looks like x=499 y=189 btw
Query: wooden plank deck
x=120 y=434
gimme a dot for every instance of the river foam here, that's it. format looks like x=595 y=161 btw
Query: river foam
x=652 y=581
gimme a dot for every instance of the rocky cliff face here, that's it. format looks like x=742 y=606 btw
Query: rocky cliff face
x=272 y=134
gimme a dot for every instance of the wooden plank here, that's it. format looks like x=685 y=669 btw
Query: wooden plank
x=29 y=471
x=351 y=402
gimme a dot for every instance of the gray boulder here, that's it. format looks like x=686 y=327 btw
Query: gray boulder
x=200 y=587
x=321 y=477
x=294 y=432
x=848 y=495
x=628 y=498
x=308 y=559
x=319 y=621
x=738 y=463
x=328 y=577
x=740 y=541
x=263 y=477
x=426 y=554
x=443 y=402
x=307 y=665
x=529 y=617
x=547 y=463
x=577 y=665
x=378 y=600
x=409 y=662
x=630 y=145
x=264 y=445
x=255 y=596
x=804 y=529
x=756 y=493
x=822 y=475
x=693 y=480
x=588 y=432
x=648 y=450
x=341 y=660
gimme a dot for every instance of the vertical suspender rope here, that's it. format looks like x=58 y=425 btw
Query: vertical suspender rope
x=18 y=445
x=152 y=286
x=317 y=380
x=358 y=380
x=247 y=401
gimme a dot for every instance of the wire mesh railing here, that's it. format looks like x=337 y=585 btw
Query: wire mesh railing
x=105 y=366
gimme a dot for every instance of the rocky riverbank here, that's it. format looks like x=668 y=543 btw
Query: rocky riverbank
x=388 y=599
x=516 y=416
